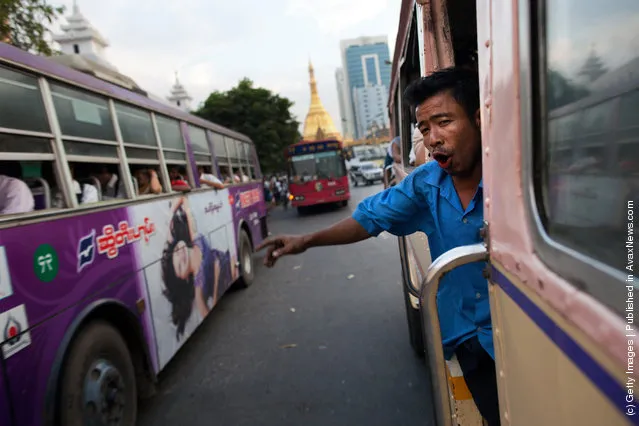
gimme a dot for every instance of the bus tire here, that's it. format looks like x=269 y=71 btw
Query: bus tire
x=247 y=268
x=415 y=330
x=98 y=377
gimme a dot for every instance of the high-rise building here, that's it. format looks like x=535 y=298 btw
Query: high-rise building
x=366 y=75
x=342 y=91
x=370 y=109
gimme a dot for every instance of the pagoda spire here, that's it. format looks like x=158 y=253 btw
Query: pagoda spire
x=318 y=124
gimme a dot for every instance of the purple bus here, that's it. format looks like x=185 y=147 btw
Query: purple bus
x=105 y=269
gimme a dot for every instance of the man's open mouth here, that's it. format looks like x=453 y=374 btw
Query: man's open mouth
x=442 y=159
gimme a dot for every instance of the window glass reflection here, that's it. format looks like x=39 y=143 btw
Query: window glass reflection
x=592 y=101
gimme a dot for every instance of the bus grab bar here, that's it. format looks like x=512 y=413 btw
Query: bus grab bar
x=428 y=298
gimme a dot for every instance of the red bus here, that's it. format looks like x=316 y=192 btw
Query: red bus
x=317 y=173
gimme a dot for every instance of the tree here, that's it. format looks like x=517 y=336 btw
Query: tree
x=593 y=67
x=562 y=91
x=23 y=24
x=259 y=114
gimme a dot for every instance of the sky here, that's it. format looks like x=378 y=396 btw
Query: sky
x=215 y=43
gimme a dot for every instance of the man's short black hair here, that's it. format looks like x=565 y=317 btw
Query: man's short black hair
x=463 y=84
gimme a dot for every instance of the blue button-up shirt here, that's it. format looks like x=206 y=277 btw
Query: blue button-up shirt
x=427 y=201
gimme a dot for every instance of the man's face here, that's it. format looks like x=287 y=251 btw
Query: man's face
x=453 y=140
x=173 y=173
x=104 y=177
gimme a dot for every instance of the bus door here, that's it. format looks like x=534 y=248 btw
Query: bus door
x=423 y=49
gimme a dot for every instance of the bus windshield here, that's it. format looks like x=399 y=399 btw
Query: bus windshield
x=322 y=165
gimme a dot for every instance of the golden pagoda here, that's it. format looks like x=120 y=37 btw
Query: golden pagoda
x=318 y=124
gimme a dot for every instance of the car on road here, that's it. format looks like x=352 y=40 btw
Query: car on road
x=366 y=172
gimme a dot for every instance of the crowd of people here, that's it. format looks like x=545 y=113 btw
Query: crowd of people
x=276 y=191
x=93 y=183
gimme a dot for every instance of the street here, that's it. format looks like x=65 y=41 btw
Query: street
x=320 y=339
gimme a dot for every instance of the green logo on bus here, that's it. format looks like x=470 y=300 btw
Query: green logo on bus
x=45 y=263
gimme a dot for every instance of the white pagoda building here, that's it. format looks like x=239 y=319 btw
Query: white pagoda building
x=179 y=96
x=83 y=49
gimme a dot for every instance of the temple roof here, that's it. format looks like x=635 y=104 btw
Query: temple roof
x=79 y=28
x=318 y=124
x=178 y=92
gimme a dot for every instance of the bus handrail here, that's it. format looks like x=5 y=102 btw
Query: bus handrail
x=428 y=298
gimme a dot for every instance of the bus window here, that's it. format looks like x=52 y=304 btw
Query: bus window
x=201 y=150
x=27 y=145
x=586 y=205
x=246 y=167
x=21 y=107
x=135 y=126
x=234 y=148
x=81 y=114
x=218 y=144
x=198 y=139
x=171 y=139
x=251 y=162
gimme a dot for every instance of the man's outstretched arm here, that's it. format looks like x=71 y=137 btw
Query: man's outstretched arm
x=346 y=231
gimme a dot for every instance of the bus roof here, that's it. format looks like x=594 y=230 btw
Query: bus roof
x=45 y=66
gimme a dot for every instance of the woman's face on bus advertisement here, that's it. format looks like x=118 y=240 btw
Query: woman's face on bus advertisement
x=181 y=260
x=450 y=135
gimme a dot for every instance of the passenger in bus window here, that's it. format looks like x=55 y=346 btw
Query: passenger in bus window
x=192 y=271
x=178 y=182
x=443 y=199
x=148 y=181
x=209 y=179
x=85 y=193
x=394 y=152
x=421 y=153
x=15 y=195
x=225 y=174
x=111 y=185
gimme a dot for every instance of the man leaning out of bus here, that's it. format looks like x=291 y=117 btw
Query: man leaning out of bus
x=443 y=199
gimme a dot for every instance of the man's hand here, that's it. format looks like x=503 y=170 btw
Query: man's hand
x=346 y=231
x=280 y=246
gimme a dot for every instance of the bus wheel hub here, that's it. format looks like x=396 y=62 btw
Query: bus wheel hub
x=104 y=394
